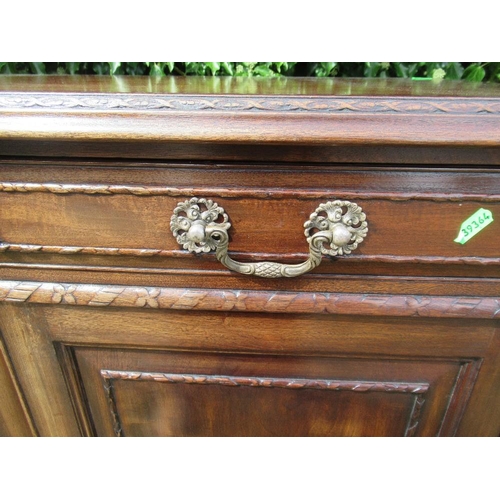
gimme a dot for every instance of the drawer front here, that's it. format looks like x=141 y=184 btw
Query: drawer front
x=413 y=216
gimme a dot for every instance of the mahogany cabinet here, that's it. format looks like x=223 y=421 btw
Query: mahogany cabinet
x=245 y=257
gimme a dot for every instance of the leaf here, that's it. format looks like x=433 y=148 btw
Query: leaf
x=279 y=65
x=431 y=66
x=311 y=68
x=113 y=66
x=290 y=69
x=213 y=66
x=438 y=74
x=170 y=66
x=100 y=68
x=454 y=71
x=400 y=69
x=195 y=68
x=155 y=70
x=263 y=69
x=241 y=70
x=322 y=69
x=372 y=69
x=37 y=67
x=247 y=68
x=72 y=67
x=412 y=69
x=325 y=68
x=12 y=69
x=474 y=73
x=227 y=68
x=134 y=68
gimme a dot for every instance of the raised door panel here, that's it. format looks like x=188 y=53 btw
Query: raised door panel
x=144 y=393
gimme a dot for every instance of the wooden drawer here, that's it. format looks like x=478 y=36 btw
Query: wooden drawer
x=413 y=215
x=109 y=326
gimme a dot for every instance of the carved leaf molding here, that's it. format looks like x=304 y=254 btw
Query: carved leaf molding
x=249 y=300
x=297 y=104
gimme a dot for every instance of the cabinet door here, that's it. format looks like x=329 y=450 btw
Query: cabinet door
x=130 y=372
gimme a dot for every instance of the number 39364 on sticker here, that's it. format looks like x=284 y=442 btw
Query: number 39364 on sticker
x=473 y=225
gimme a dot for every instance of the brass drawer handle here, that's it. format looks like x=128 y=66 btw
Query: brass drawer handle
x=334 y=228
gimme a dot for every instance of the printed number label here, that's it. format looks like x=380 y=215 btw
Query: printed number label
x=475 y=223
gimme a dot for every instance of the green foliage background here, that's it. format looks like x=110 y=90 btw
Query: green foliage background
x=472 y=71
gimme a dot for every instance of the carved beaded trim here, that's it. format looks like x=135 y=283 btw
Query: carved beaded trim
x=230 y=104
x=156 y=252
x=281 y=383
x=223 y=192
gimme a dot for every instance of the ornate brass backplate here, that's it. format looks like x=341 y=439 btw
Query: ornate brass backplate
x=334 y=228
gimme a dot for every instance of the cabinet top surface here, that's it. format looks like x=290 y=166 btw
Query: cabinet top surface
x=355 y=87
x=224 y=110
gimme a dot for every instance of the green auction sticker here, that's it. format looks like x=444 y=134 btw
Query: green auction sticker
x=475 y=223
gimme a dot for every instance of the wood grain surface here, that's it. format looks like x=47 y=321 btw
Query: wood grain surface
x=15 y=419
x=109 y=328
x=322 y=115
x=413 y=214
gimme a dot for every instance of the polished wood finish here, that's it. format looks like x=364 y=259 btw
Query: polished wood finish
x=170 y=118
x=15 y=419
x=110 y=328
x=173 y=85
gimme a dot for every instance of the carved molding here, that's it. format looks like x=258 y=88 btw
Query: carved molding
x=418 y=389
x=249 y=301
x=430 y=259
x=413 y=421
x=156 y=252
x=281 y=383
x=462 y=391
x=110 y=397
x=137 y=252
x=255 y=104
x=223 y=192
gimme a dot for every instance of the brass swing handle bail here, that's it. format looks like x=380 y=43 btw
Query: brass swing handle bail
x=334 y=228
